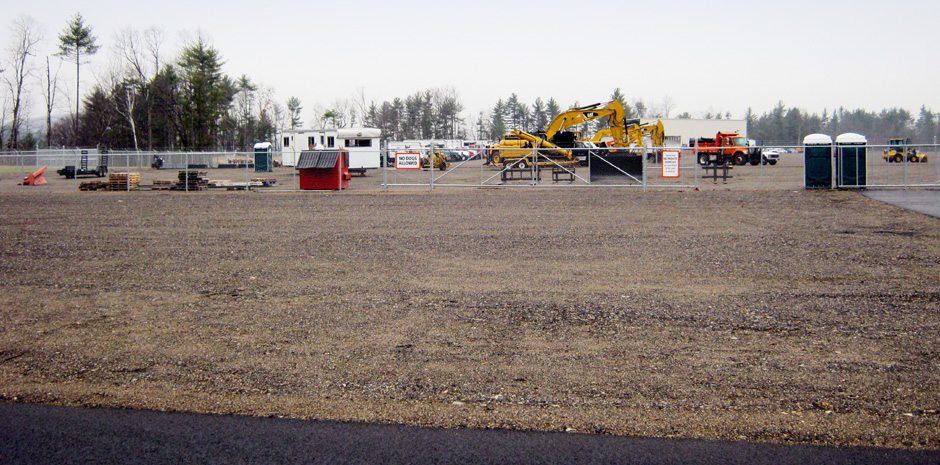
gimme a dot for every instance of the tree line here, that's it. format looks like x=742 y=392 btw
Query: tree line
x=139 y=101
x=788 y=126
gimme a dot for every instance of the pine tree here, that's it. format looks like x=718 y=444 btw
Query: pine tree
x=294 y=108
x=75 y=41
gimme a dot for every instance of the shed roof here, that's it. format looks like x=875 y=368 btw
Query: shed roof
x=317 y=159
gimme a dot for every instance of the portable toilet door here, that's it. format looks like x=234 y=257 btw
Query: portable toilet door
x=817 y=161
x=264 y=157
x=851 y=160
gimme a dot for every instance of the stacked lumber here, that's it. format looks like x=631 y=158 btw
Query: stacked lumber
x=192 y=180
x=118 y=181
x=265 y=182
x=122 y=181
x=161 y=185
x=93 y=186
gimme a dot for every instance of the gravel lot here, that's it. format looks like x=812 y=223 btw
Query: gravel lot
x=784 y=316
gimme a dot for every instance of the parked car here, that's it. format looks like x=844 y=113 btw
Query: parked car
x=770 y=156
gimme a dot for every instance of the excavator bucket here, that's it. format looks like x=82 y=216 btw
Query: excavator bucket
x=37 y=178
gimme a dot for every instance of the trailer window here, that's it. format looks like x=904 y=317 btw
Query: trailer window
x=311 y=141
x=287 y=142
x=359 y=143
x=331 y=141
x=322 y=140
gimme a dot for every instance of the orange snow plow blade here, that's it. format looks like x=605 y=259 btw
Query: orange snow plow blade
x=38 y=177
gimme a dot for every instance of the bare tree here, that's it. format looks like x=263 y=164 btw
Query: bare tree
x=361 y=106
x=668 y=105
x=3 y=116
x=123 y=92
x=25 y=38
x=50 y=87
x=140 y=53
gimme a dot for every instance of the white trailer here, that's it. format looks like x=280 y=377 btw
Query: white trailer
x=363 y=145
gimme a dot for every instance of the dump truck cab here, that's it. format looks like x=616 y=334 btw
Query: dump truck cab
x=725 y=147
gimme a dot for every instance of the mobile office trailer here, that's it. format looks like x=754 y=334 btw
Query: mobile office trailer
x=362 y=144
x=364 y=148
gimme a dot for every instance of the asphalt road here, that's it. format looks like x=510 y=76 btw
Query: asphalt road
x=921 y=201
x=46 y=434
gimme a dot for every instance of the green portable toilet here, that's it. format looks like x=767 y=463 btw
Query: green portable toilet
x=817 y=161
x=850 y=160
x=264 y=157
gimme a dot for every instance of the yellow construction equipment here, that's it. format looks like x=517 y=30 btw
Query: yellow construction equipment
x=636 y=135
x=440 y=161
x=557 y=140
x=519 y=147
x=898 y=151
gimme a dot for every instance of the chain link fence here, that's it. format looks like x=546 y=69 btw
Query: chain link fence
x=767 y=167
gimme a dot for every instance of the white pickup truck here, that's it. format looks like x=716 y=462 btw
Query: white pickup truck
x=768 y=156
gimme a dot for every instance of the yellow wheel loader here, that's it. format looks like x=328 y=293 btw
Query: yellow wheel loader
x=899 y=151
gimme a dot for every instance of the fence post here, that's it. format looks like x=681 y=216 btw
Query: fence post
x=431 y=160
x=383 y=162
x=532 y=169
x=590 y=155
x=643 y=165
x=905 y=158
x=695 y=163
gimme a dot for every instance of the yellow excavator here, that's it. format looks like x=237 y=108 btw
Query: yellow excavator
x=557 y=140
x=636 y=135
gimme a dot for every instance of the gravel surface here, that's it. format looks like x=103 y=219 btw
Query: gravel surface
x=783 y=316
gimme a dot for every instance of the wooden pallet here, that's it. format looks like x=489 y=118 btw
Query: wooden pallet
x=122 y=181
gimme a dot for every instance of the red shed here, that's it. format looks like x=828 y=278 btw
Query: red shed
x=324 y=170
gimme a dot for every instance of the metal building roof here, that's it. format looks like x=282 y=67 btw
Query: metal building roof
x=317 y=159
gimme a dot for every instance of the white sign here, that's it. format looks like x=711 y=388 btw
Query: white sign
x=407 y=160
x=671 y=164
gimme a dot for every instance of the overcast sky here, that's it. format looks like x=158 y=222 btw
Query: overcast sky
x=703 y=56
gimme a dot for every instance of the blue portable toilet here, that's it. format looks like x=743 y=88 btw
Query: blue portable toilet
x=264 y=157
x=817 y=161
x=851 y=151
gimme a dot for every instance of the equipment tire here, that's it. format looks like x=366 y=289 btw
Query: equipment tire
x=772 y=162
x=740 y=159
x=897 y=159
x=522 y=164
x=702 y=159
